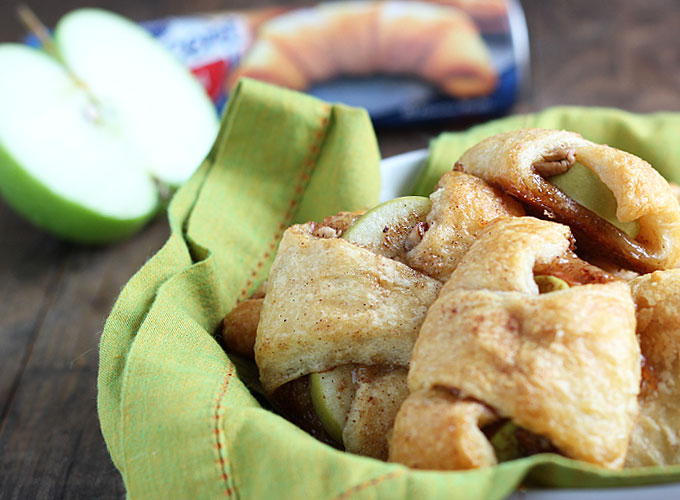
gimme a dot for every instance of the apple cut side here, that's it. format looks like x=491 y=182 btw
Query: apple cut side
x=157 y=105
x=384 y=228
x=58 y=168
x=584 y=186
x=332 y=393
x=83 y=160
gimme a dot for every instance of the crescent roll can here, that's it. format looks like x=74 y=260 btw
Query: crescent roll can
x=405 y=61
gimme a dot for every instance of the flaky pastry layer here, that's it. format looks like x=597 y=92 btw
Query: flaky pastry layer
x=564 y=365
x=507 y=161
x=656 y=436
x=462 y=205
x=330 y=303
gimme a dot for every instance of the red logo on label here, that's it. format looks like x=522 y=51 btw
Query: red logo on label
x=212 y=77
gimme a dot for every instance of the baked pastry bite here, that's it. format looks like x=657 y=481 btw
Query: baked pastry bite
x=656 y=436
x=378 y=397
x=436 y=429
x=440 y=44
x=563 y=366
x=462 y=205
x=642 y=232
x=341 y=321
x=432 y=242
x=330 y=302
x=342 y=309
x=239 y=326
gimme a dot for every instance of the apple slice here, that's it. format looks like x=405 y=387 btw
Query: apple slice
x=332 y=393
x=547 y=283
x=384 y=228
x=584 y=186
x=87 y=137
x=505 y=443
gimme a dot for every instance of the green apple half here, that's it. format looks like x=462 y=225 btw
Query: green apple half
x=584 y=186
x=87 y=137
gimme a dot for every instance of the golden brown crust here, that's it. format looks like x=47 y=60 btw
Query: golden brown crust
x=440 y=44
x=656 y=437
x=462 y=205
x=505 y=254
x=675 y=189
x=239 y=327
x=436 y=430
x=526 y=357
x=506 y=160
x=379 y=396
x=331 y=303
x=492 y=337
x=342 y=220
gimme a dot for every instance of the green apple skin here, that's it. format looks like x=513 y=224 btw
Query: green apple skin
x=584 y=186
x=384 y=228
x=58 y=215
x=332 y=393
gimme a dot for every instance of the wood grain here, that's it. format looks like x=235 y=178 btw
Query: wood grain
x=54 y=297
x=50 y=443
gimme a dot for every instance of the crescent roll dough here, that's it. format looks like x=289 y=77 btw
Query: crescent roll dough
x=331 y=303
x=563 y=365
x=510 y=161
x=656 y=437
x=371 y=416
x=436 y=430
x=490 y=15
x=440 y=44
x=462 y=205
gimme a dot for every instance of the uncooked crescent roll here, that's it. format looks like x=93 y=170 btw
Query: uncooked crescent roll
x=517 y=162
x=462 y=205
x=330 y=303
x=490 y=15
x=656 y=436
x=439 y=44
x=563 y=365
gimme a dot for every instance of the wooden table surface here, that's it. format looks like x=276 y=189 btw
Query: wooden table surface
x=54 y=297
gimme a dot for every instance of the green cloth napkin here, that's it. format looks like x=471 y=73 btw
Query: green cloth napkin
x=176 y=415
